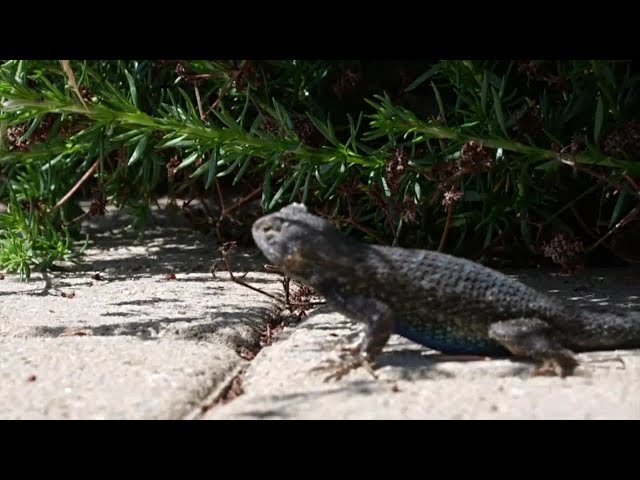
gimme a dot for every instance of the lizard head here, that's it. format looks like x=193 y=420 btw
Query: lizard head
x=297 y=241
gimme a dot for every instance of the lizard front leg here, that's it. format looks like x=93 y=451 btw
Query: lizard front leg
x=379 y=323
x=535 y=339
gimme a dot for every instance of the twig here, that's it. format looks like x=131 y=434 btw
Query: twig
x=71 y=80
x=628 y=218
x=443 y=239
x=223 y=90
x=389 y=219
x=76 y=219
x=219 y=192
x=632 y=182
x=353 y=223
x=364 y=229
x=244 y=284
x=595 y=237
x=200 y=76
x=242 y=201
x=224 y=212
x=225 y=257
x=598 y=175
x=203 y=116
x=88 y=173
x=571 y=203
x=582 y=223
x=205 y=206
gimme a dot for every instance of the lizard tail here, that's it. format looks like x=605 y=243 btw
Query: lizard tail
x=611 y=330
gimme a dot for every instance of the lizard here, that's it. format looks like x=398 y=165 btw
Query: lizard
x=447 y=303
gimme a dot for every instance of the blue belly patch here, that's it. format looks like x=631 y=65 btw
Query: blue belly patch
x=447 y=342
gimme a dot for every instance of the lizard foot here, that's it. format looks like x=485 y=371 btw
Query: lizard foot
x=560 y=366
x=352 y=349
x=339 y=368
x=535 y=339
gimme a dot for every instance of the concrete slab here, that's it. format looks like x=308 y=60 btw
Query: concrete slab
x=133 y=344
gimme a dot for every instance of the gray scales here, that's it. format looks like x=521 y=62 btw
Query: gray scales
x=446 y=303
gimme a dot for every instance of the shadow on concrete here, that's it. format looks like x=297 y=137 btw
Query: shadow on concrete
x=148 y=301
x=171 y=245
x=407 y=366
x=286 y=403
x=228 y=320
x=142 y=330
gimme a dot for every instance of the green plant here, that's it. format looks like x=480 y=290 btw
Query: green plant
x=465 y=156
x=28 y=238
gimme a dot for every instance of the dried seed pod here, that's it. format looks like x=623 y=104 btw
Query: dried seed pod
x=624 y=141
x=396 y=166
x=566 y=252
x=475 y=158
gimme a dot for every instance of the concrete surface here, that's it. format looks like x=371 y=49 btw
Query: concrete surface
x=136 y=345
x=132 y=345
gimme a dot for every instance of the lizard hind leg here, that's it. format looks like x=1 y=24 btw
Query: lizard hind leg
x=534 y=338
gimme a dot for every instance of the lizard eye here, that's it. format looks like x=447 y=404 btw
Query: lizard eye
x=271 y=228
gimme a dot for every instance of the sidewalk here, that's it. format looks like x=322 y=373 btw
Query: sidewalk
x=138 y=345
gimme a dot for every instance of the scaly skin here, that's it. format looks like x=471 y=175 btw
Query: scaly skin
x=443 y=302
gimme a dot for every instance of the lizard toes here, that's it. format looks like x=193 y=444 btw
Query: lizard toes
x=338 y=369
x=558 y=366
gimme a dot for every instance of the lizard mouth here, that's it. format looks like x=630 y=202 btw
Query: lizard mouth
x=265 y=232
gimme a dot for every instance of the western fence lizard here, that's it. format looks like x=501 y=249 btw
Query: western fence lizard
x=447 y=303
